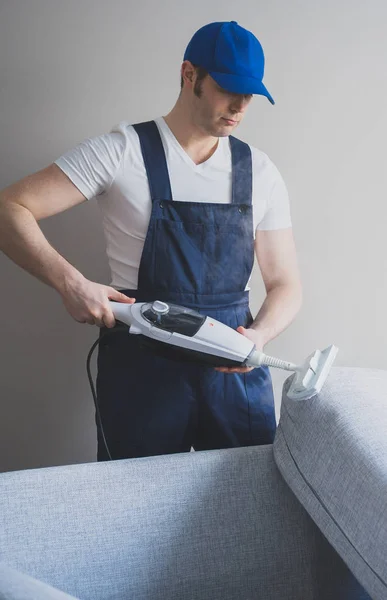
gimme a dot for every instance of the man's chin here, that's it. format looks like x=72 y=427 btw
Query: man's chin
x=223 y=130
x=224 y=134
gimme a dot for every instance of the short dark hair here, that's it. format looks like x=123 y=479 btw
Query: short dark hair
x=201 y=74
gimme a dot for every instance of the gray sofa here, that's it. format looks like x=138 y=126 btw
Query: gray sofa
x=215 y=525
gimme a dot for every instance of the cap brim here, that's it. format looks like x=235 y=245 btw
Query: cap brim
x=236 y=84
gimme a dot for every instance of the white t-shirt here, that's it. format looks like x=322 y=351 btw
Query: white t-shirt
x=111 y=167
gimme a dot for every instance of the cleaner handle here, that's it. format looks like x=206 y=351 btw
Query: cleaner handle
x=122 y=312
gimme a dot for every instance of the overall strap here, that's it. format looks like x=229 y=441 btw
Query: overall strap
x=154 y=159
x=242 y=172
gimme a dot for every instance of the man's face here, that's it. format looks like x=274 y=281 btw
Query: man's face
x=215 y=110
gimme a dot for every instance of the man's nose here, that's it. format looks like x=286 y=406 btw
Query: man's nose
x=239 y=103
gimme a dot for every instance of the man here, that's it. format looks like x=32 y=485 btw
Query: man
x=184 y=206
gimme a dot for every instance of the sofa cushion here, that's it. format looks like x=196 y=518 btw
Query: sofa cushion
x=332 y=452
x=15 y=585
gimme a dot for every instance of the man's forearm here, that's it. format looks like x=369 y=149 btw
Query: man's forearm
x=22 y=240
x=281 y=305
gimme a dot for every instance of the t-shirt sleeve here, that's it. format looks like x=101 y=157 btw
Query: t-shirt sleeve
x=277 y=214
x=93 y=163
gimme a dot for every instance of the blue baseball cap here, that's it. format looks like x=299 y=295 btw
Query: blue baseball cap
x=232 y=56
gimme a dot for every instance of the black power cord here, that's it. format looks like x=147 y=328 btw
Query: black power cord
x=97 y=411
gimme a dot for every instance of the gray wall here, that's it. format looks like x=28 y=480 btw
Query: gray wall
x=70 y=70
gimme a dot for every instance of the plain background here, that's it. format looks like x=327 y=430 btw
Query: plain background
x=71 y=70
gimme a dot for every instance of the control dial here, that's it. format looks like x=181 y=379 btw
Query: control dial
x=160 y=308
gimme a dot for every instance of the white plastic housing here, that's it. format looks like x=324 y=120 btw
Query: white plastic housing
x=213 y=337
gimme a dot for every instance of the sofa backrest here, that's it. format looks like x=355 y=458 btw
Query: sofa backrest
x=216 y=525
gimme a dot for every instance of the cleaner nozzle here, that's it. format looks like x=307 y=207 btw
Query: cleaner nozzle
x=309 y=377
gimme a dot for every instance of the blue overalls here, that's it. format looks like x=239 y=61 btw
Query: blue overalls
x=199 y=255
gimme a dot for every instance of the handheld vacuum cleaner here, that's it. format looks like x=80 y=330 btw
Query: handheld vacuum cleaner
x=206 y=340
x=185 y=334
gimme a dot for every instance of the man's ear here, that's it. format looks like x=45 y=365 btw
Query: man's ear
x=188 y=71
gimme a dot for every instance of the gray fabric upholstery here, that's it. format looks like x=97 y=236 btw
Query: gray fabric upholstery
x=332 y=451
x=18 y=586
x=216 y=525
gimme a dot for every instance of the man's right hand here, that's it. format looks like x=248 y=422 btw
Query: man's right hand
x=22 y=204
x=88 y=302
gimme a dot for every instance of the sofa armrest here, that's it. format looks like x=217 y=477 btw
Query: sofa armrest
x=332 y=452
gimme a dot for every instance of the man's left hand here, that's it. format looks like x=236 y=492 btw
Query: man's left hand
x=255 y=337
